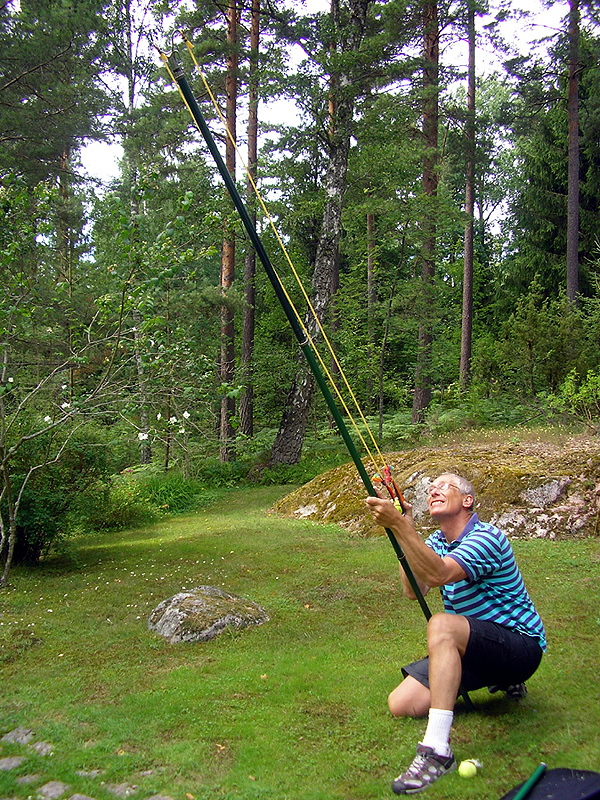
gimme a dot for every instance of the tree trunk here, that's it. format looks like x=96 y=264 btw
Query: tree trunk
x=573 y=188
x=132 y=158
x=227 y=449
x=371 y=300
x=247 y=396
x=170 y=386
x=9 y=532
x=287 y=447
x=467 y=308
x=334 y=319
x=422 y=395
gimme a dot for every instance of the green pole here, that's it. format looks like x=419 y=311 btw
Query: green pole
x=305 y=346
x=530 y=783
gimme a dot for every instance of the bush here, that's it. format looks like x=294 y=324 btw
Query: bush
x=49 y=503
x=141 y=495
x=581 y=398
x=173 y=493
x=118 y=506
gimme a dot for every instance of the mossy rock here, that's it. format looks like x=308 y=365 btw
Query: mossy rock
x=529 y=489
x=200 y=614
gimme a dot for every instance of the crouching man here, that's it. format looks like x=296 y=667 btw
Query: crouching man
x=490 y=633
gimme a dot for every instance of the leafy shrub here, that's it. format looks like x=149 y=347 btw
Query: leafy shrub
x=581 y=398
x=50 y=499
x=141 y=495
x=470 y=410
x=173 y=493
x=121 y=505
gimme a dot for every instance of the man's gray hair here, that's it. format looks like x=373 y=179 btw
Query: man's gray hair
x=466 y=487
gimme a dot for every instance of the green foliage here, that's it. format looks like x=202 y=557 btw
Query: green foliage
x=140 y=495
x=538 y=208
x=538 y=345
x=53 y=498
x=580 y=397
x=313 y=463
x=119 y=505
x=460 y=411
x=51 y=95
x=172 y=493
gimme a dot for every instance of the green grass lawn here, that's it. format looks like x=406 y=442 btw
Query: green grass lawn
x=295 y=709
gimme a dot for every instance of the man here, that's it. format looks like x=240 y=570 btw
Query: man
x=490 y=633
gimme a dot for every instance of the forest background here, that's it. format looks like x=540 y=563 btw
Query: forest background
x=444 y=222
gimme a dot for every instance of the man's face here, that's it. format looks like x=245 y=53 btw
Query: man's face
x=444 y=498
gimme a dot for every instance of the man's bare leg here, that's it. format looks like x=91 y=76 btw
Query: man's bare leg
x=410 y=699
x=447 y=639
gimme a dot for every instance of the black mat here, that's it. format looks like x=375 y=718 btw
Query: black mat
x=563 y=784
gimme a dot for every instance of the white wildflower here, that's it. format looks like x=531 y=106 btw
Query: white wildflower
x=186 y=414
x=47 y=419
x=142 y=436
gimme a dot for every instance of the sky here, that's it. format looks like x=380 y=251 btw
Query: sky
x=100 y=160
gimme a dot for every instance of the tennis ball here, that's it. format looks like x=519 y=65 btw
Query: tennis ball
x=467 y=769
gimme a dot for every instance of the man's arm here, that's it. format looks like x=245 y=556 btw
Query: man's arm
x=429 y=569
x=407 y=588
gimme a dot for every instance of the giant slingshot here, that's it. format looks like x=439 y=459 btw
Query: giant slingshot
x=177 y=74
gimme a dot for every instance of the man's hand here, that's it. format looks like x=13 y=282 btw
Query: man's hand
x=385 y=512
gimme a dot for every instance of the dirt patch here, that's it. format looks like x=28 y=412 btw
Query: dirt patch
x=529 y=489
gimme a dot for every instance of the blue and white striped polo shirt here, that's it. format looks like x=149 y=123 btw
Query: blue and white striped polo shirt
x=494 y=589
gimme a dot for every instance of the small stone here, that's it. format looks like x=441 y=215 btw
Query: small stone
x=11 y=762
x=90 y=773
x=122 y=789
x=53 y=790
x=26 y=780
x=20 y=735
x=160 y=797
x=43 y=748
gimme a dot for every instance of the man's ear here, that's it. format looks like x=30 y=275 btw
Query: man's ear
x=468 y=501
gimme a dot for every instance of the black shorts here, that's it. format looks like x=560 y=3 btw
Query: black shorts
x=495 y=656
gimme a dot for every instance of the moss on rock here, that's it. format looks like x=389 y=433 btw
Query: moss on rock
x=529 y=489
x=200 y=614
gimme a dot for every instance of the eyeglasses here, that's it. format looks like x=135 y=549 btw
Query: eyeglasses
x=441 y=487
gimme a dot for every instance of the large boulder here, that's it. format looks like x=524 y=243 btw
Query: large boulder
x=200 y=614
x=529 y=489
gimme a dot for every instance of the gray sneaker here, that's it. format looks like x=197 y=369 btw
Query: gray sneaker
x=517 y=691
x=427 y=767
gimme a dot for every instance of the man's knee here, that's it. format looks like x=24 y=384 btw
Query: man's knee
x=409 y=699
x=444 y=628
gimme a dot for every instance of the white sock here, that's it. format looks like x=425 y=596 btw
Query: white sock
x=437 y=735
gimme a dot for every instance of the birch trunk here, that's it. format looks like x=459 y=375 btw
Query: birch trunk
x=287 y=447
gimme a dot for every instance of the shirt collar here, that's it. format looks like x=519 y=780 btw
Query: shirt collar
x=469 y=526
